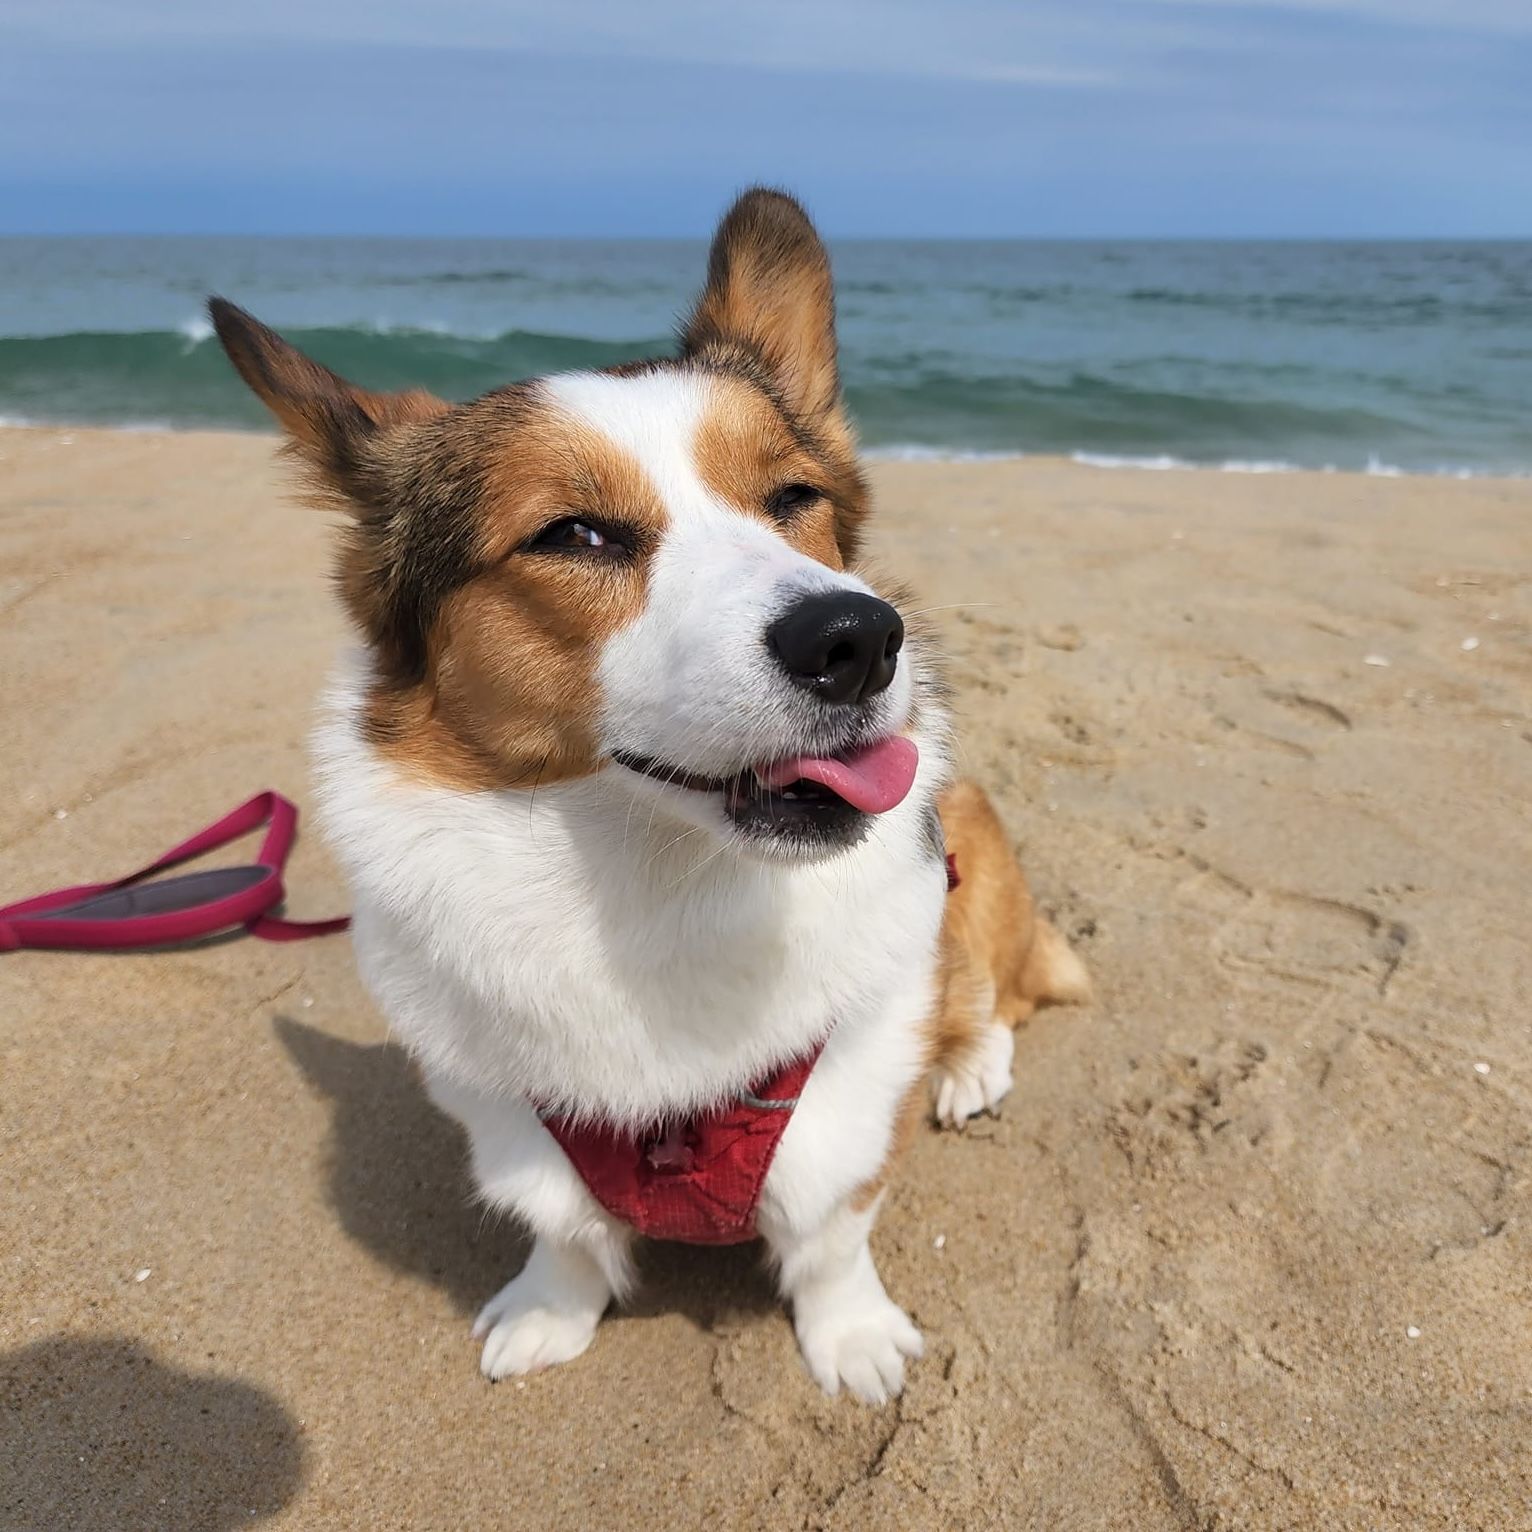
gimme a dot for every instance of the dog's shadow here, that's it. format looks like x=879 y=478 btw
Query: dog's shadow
x=398 y=1181
x=97 y=1432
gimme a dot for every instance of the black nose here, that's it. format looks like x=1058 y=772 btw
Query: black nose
x=841 y=645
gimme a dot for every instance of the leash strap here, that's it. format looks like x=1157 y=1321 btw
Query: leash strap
x=133 y=912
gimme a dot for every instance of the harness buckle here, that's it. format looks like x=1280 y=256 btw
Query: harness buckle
x=671 y=1154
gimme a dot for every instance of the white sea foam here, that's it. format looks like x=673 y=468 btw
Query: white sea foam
x=196 y=330
x=386 y=326
x=1156 y=464
x=914 y=452
x=1375 y=467
x=31 y=423
x=1164 y=462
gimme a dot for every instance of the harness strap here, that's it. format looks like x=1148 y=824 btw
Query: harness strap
x=698 y=1180
x=133 y=912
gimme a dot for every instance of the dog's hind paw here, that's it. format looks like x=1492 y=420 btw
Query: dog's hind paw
x=976 y=1081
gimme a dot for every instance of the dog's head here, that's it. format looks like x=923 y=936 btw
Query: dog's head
x=643 y=571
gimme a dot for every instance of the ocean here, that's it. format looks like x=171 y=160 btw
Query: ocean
x=1390 y=357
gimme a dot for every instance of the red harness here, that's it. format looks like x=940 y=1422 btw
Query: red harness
x=697 y=1181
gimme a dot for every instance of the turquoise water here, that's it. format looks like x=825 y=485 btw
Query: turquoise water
x=1410 y=356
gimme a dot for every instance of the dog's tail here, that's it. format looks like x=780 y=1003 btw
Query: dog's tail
x=1054 y=972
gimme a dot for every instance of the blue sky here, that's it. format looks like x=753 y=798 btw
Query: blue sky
x=891 y=117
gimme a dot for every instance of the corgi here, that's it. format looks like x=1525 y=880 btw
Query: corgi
x=643 y=788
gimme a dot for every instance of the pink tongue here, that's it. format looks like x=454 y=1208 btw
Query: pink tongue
x=873 y=780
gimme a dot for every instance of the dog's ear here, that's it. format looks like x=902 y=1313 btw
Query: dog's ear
x=333 y=424
x=770 y=302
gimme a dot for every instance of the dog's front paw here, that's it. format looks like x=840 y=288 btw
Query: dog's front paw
x=861 y=1342
x=978 y=1081
x=523 y=1331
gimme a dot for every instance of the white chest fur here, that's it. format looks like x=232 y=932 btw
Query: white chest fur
x=566 y=948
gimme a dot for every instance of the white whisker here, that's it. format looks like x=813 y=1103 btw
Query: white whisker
x=674 y=840
x=732 y=840
x=953 y=606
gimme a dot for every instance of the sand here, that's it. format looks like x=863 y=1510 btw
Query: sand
x=1248 y=1247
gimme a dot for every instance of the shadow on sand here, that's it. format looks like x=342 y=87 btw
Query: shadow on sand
x=95 y=1432
x=399 y=1184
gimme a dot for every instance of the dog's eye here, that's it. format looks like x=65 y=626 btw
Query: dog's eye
x=575 y=536
x=786 y=502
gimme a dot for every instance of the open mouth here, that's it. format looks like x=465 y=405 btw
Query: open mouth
x=806 y=798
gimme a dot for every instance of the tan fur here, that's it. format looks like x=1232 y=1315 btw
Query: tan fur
x=509 y=697
x=767 y=314
x=769 y=289
x=999 y=958
x=746 y=452
x=314 y=405
x=497 y=688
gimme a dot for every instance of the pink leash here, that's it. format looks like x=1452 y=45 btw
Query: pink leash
x=133 y=912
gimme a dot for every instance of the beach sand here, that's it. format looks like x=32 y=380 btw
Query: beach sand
x=1248 y=1247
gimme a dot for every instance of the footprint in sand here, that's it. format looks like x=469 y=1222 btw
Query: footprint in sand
x=1256 y=719
x=1314 y=709
x=1179 y=1099
x=1295 y=937
x=1310 y=940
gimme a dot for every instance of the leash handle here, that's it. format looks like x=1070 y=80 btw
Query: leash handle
x=130 y=912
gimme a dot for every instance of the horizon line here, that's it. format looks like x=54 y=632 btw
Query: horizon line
x=831 y=237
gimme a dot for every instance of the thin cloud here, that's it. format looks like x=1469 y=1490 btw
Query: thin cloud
x=979 y=40
x=1513 y=16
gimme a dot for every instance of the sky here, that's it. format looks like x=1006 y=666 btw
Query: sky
x=913 y=118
